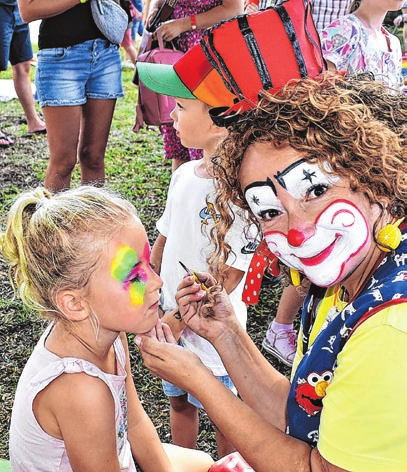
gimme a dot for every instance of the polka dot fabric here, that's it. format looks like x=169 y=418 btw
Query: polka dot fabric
x=262 y=259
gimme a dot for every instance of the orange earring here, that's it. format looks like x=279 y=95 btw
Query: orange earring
x=389 y=237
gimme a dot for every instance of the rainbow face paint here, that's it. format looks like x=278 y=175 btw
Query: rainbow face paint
x=126 y=269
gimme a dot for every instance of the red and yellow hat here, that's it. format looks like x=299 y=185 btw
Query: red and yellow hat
x=238 y=58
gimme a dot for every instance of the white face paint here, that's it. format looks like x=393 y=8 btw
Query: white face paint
x=340 y=230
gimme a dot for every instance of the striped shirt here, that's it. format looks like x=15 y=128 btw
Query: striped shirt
x=324 y=12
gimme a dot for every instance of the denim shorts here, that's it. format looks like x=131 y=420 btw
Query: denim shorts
x=15 y=42
x=173 y=391
x=69 y=76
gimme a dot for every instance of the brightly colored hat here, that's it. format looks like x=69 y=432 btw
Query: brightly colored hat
x=192 y=76
x=241 y=56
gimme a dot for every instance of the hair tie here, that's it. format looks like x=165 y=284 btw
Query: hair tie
x=39 y=204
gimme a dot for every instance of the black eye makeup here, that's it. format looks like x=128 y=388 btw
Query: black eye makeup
x=304 y=180
x=262 y=199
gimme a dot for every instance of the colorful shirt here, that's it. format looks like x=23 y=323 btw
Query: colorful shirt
x=351 y=47
x=31 y=448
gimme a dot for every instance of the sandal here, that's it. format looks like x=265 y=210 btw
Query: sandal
x=5 y=141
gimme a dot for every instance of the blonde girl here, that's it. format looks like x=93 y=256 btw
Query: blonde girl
x=81 y=259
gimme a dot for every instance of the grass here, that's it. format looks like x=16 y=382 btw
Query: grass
x=135 y=167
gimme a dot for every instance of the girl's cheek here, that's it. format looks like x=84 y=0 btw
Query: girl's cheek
x=137 y=291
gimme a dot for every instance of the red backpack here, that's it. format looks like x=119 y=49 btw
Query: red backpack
x=153 y=108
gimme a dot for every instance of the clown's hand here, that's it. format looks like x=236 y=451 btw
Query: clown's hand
x=168 y=361
x=206 y=311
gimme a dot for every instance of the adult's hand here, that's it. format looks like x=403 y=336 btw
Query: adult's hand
x=209 y=314
x=168 y=361
x=172 y=28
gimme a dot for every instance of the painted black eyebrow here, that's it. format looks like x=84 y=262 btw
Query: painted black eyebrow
x=280 y=175
x=131 y=271
x=263 y=183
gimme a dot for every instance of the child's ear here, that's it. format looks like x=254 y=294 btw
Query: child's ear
x=218 y=131
x=72 y=305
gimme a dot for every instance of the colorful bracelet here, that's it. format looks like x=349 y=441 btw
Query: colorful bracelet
x=193 y=22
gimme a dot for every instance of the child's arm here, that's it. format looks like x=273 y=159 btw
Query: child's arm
x=79 y=409
x=171 y=317
x=144 y=441
x=157 y=253
x=232 y=279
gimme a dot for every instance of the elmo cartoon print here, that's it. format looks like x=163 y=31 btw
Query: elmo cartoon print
x=310 y=392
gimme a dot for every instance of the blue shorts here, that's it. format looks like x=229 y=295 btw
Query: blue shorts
x=15 y=42
x=69 y=76
x=173 y=391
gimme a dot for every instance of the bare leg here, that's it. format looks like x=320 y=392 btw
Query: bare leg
x=281 y=339
x=290 y=303
x=63 y=124
x=184 y=422
x=131 y=53
x=225 y=447
x=188 y=460
x=97 y=118
x=22 y=84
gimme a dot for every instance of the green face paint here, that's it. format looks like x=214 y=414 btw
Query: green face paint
x=126 y=270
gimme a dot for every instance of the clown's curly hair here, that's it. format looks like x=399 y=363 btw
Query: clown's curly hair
x=355 y=124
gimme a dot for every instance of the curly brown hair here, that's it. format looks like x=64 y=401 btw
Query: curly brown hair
x=355 y=124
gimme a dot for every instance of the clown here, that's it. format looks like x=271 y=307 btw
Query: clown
x=319 y=164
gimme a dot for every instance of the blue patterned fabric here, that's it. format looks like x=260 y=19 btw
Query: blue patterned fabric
x=386 y=285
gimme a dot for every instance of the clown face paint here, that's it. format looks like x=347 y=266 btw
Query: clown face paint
x=126 y=269
x=340 y=233
x=311 y=220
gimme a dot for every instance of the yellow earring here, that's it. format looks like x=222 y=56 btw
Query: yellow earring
x=295 y=277
x=389 y=237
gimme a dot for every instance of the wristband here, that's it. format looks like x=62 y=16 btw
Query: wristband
x=193 y=22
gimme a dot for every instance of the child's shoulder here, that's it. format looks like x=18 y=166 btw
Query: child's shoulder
x=72 y=396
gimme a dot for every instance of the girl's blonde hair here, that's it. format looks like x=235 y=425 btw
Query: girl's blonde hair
x=53 y=242
x=355 y=124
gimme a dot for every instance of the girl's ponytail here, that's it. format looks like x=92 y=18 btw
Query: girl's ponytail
x=14 y=242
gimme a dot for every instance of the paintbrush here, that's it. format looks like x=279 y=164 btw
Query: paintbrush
x=194 y=276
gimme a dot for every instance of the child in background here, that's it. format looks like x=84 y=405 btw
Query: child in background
x=184 y=236
x=82 y=259
x=358 y=42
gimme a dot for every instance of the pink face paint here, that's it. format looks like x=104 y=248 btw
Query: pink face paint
x=126 y=269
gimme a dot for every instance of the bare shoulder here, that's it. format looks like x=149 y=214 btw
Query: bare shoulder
x=72 y=396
